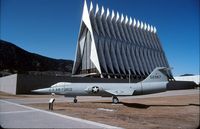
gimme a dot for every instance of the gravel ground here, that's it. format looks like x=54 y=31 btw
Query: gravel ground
x=169 y=112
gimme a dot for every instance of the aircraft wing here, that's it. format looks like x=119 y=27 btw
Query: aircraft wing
x=120 y=92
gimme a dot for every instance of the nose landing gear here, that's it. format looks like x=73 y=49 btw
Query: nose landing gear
x=75 y=100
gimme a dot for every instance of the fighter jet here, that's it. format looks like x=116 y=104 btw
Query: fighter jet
x=156 y=82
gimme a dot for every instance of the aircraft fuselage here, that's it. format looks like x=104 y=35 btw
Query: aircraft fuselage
x=104 y=89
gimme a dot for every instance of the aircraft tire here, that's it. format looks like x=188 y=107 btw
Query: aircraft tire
x=115 y=100
x=75 y=100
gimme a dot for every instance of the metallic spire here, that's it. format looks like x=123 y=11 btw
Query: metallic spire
x=134 y=22
x=126 y=20
x=97 y=9
x=151 y=28
x=148 y=27
x=117 y=16
x=122 y=17
x=154 y=29
x=141 y=25
x=102 y=10
x=145 y=26
x=113 y=15
x=130 y=21
x=108 y=12
x=91 y=6
x=138 y=23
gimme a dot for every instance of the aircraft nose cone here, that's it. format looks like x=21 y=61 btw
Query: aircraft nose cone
x=45 y=90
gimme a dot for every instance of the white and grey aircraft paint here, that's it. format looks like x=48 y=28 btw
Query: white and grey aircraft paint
x=156 y=82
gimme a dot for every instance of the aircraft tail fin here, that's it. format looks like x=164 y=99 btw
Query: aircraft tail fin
x=159 y=74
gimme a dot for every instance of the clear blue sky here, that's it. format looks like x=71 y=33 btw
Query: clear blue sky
x=50 y=27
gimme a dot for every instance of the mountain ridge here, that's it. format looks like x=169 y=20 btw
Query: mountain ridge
x=14 y=59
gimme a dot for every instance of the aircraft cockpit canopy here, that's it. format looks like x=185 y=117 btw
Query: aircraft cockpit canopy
x=60 y=84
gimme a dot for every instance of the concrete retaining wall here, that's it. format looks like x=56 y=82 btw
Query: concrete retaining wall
x=181 y=85
x=8 y=84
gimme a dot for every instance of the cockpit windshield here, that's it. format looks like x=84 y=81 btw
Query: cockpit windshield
x=60 y=84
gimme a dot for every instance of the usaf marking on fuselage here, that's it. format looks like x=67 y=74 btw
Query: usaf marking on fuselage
x=156 y=82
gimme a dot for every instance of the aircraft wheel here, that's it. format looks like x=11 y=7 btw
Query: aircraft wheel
x=115 y=100
x=75 y=100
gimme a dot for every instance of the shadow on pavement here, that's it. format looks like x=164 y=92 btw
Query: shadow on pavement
x=144 y=106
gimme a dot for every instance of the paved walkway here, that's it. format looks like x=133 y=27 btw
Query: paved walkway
x=13 y=115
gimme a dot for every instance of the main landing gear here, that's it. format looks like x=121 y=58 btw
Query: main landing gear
x=75 y=100
x=115 y=100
